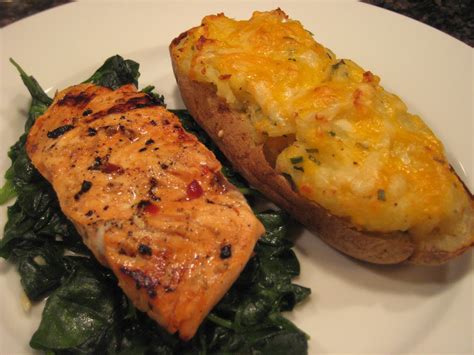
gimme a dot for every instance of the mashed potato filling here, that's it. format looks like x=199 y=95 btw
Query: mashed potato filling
x=357 y=152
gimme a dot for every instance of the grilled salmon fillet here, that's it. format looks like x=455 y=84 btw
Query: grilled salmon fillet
x=147 y=198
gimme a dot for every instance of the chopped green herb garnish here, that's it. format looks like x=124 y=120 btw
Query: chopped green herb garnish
x=332 y=133
x=381 y=195
x=363 y=146
x=314 y=160
x=296 y=160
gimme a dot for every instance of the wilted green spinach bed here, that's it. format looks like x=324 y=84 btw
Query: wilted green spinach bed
x=86 y=312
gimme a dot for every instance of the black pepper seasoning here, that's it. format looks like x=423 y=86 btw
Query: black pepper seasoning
x=85 y=186
x=87 y=112
x=226 y=251
x=91 y=132
x=144 y=249
x=151 y=292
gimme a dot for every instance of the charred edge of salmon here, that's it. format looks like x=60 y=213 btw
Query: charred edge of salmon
x=142 y=280
x=131 y=104
x=220 y=183
x=79 y=100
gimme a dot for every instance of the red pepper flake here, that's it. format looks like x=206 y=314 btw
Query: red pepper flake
x=181 y=134
x=357 y=97
x=110 y=168
x=306 y=189
x=200 y=42
x=368 y=77
x=151 y=209
x=194 y=190
x=225 y=76
x=219 y=183
x=205 y=170
x=148 y=207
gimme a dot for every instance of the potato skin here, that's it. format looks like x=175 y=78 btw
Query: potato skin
x=233 y=133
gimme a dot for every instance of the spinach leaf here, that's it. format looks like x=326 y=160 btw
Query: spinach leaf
x=7 y=191
x=39 y=104
x=40 y=100
x=18 y=230
x=36 y=219
x=37 y=93
x=116 y=72
x=79 y=315
x=159 y=99
x=40 y=268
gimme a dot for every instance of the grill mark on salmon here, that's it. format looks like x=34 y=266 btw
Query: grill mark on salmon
x=57 y=132
x=141 y=280
x=78 y=100
x=131 y=104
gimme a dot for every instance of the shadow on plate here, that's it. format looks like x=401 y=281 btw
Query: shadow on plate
x=399 y=278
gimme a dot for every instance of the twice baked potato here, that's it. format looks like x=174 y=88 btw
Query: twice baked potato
x=321 y=138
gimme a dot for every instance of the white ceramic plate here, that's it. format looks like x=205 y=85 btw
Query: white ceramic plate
x=355 y=307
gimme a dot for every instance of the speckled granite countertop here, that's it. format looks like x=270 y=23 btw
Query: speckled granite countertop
x=453 y=17
x=456 y=18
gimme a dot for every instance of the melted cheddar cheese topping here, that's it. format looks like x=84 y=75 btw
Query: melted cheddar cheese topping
x=356 y=151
